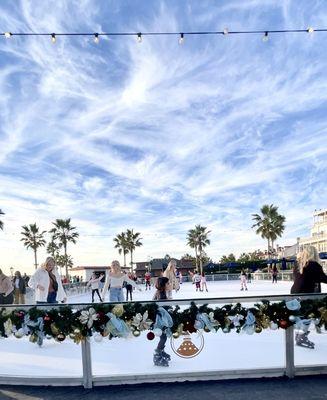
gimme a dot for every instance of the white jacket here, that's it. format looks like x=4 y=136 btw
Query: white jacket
x=41 y=277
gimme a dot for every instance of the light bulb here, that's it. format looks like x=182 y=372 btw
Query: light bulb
x=96 y=38
x=181 y=39
x=310 y=29
x=53 y=38
x=139 y=37
x=225 y=31
x=265 y=37
x=8 y=35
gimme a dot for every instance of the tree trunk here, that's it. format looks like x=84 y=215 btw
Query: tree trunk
x=196 y=259
x=66 y=266
x=124 y=258
x=201 y=266
x=35 y=259
x=131 y=261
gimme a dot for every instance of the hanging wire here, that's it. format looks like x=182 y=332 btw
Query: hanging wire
x=139 y=35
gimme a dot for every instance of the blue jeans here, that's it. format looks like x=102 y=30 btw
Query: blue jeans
x=116 y=294
x=52 y=297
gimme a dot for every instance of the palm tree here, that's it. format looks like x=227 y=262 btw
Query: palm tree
x=122 y=245
x=53 y=249
x=33 y=239
x=64 y=233
x=64 y=261
x=133 y=240
x=198 y=239
x=192 y=242
x=227 y=259
x=270 y=224
x=1 y=223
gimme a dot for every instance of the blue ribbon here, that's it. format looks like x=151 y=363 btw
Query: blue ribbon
x=203 y=320
x=164 y=321
x=117 y=326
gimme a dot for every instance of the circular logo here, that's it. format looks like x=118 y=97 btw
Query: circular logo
x=188 y=345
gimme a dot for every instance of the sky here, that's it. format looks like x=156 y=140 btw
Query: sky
x=158 y=136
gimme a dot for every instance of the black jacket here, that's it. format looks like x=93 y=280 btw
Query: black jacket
x=309 y=281
x=22 y=285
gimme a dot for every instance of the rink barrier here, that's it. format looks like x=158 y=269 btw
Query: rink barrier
x=88 y=380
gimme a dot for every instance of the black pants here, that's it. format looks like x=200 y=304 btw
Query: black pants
x=97 y=292
x=274 y=278
x=129 y=291
x=7 y=299
x=162 y=342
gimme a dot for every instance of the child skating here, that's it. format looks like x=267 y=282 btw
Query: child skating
x=160 y=357
x=243 y=280
x=197 y=282
x=203 y=282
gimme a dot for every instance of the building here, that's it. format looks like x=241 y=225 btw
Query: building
x=318 y=237
x=158 y=265
x=86 y=271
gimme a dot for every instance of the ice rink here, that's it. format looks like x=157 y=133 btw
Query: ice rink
x=221 y=351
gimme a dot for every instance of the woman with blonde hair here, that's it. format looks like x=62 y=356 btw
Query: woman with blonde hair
x=308 y=276
x=115 y=281
x=309 y=273
x=47 y=283
x=173 y=282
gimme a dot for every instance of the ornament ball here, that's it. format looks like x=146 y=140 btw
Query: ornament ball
x=150 y=336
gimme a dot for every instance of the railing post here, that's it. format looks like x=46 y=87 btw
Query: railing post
x=289 y=352
x=87 y=364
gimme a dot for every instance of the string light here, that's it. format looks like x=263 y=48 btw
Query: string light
x=181 y=36
x=265 y=37
x=181 y=39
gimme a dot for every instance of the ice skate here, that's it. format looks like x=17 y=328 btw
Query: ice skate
x=159 y=360
x=302 y=340
x=166 y=355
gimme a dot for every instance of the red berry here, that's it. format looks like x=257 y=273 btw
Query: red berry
x=150 y=335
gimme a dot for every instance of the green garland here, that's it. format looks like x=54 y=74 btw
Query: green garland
x=119 y=320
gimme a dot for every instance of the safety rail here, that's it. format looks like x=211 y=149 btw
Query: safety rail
x=88 y=379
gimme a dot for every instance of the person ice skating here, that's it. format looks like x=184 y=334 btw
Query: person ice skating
x=274 y=273
x=6 y=289
x=19 y=288
x=160 y=357
x=243 y=280
x=197 y=281
x=129 y=288
x=94 y=282
x=115 y=280
x=147 y=278
x=173 y=282
x=203 y=282
x=47 y=284
x=249 y=276
x=308 y=276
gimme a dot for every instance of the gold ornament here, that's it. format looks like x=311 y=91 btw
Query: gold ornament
x=61 y=337
x=136 y=333
x=258 y=329
x=33 y=338
x=54 y=329
x=323 y=313
x=176 y=335
x=19 y=333
x=118 y=310
x=72 y=336
x=206 y=329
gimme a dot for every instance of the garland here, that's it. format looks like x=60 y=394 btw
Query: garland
x=124 y=320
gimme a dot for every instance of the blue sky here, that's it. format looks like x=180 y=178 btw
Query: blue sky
x=157 y=136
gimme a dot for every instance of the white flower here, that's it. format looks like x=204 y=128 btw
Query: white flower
x=88 y=317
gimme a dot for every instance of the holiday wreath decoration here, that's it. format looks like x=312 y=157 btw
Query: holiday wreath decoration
x=130 y=319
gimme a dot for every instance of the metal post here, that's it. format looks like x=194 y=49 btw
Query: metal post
x=87 y=364
x=289 y=352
